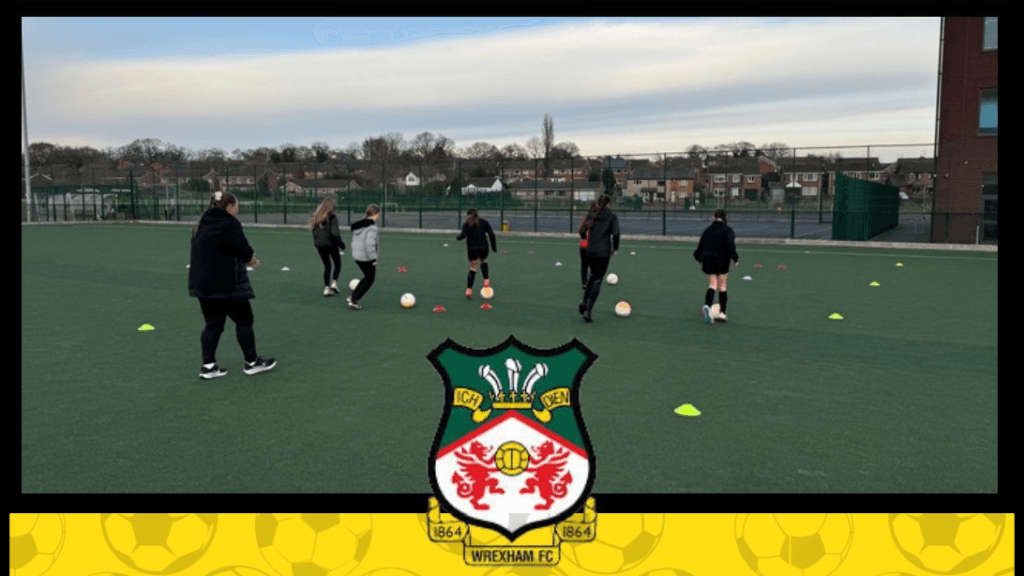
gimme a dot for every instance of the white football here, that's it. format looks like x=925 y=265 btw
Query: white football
x=613 y=278
x=623 y=309
x=408 y=300
x=352 y=285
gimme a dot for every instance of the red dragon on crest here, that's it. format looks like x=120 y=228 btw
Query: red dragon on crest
x=477 y=466
x=546 y=466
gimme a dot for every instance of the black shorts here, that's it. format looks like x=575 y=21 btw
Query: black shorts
x=478 y=254
x=713 y=266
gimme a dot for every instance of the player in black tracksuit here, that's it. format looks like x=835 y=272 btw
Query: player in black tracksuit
x=716 y=248
x=602 y=231
x=477 y=233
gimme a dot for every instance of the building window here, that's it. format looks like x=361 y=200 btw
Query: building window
x=991 y=37
x=988 y=114
x=750 y=179
x=719 y=178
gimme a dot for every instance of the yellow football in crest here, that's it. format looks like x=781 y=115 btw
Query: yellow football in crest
x=512 y=458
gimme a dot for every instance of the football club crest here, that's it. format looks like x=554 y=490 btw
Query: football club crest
x=511 y=453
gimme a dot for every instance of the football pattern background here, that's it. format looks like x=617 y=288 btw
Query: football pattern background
x=389 y=544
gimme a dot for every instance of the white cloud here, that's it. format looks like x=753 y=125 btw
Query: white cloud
x=703 y=74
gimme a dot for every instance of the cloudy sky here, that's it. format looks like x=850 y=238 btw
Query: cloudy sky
x=611 y=85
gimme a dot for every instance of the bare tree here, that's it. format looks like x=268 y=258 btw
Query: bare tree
x=548 y=135
x=775 y=150
x=480 y=151
x=565 y=150
x=423 y=144
x=697 y=152
x=535 y=147
x=384 y=148
x=321 y=151
x=432 y=148
x=514 y=152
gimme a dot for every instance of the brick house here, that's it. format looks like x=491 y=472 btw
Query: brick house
x=518 y=170
x=913 y=176
x=565 y=169
x=659 y=185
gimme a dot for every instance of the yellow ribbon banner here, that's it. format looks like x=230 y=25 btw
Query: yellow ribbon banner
x=441 y=527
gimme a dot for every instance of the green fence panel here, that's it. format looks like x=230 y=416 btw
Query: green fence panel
x=863 y=210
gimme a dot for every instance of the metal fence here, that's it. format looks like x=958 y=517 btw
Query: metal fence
x=787 y=195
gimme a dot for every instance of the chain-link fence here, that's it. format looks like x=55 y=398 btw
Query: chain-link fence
x=769 y=193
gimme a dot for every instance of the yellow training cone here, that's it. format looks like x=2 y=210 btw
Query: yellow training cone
x=835 y=316
x=899 y=264
x=146 y=328
x=687 y=410
x=875 y=284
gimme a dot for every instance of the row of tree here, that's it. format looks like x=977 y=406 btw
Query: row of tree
x=390 y=148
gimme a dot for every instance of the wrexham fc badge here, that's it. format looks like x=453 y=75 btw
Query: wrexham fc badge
x=511 y=453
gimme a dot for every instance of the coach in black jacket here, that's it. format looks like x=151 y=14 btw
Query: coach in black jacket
x=218 y=278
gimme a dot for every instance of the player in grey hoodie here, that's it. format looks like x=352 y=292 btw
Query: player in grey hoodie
x=364 y=251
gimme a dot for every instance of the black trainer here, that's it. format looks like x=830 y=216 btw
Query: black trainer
x=212 y=372
x=259 y=365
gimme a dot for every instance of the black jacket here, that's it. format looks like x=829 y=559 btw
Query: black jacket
x=477 y=237
x=328 y=235
x=220 y=252
x=717 y=244
x=604 y=234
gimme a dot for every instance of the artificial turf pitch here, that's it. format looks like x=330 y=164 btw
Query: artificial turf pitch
x=899 y=397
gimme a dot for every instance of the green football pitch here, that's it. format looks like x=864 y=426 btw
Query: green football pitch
x=898 y=397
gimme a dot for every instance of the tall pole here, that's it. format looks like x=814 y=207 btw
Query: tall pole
x=24 y=120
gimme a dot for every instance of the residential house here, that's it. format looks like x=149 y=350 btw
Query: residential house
x=619 y=167
x=316 y=186
x=518 y=170
x=482 y=185
x=913 y=176
x=565 y=169
x=415 y=179
x=736 y=177
x=660 y=185
x=552 y=190
x=811 y=174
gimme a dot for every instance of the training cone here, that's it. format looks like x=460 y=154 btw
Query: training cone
x=486 y=306
x=835 y=316
x=747 y=278
x=286 y=269
x=440 y=308
x=874 y=284
x=146 y=328
x=687 y=410
x=899 y=264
